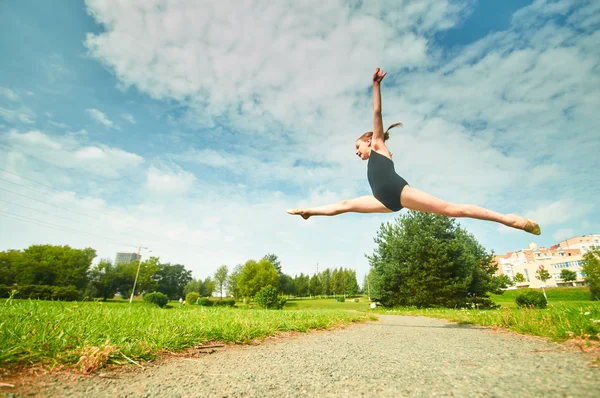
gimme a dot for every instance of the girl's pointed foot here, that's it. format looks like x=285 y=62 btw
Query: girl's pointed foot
x=525 y=224
x=532 y=227
x=299 y=212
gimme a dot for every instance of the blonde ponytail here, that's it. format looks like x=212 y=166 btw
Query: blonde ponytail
x=386 y=135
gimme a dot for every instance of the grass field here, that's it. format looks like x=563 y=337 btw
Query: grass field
x=52 y=333
x=90 y=334
x=570 y=315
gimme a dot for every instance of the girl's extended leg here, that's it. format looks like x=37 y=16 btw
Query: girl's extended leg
x=363 y=204
x=415 y=199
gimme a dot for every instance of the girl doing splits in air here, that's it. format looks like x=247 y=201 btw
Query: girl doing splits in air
x=392 y=193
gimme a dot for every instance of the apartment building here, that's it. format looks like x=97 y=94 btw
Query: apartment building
x=567 y=254
x=126 y=258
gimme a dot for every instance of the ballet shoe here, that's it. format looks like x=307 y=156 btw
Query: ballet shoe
x=532 y=227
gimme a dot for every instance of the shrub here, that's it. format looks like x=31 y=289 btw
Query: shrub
x=226 y=302
x=531 y=299
x=268 y=297
x=192 y=297
x=157 y=298
x=205 y=302
x=41 y=292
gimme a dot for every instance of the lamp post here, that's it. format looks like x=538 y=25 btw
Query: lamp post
x=137 y=273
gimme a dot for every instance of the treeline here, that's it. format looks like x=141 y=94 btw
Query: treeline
x=65 y=273
x=246 y=280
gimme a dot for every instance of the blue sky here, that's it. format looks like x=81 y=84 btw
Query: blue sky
x=190 y=128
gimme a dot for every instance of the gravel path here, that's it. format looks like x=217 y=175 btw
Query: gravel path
x=396 y=356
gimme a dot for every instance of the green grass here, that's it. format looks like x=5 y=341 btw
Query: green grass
x=555 y=295
x=570 y=314
x=53 y=333
x=559 y=322
x=327 y=303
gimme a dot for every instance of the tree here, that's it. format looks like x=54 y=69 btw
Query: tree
x=351 y=284
x=221 y=277
x=146 y=283
x=207 y=287
x=103 y=278
x=591 y=270
x=542 y=275
x=256 y=275
x=286 y=285
x=54 y=265
x=425 y=260
x=301 y=285
x=568 y=275
x=9 y=261
x=519 y=278
x=314 y=285
x=192 y=286
x=504 y=280
x=172 y=279
x=272 y=258
x=326 y=282
x=232 y=284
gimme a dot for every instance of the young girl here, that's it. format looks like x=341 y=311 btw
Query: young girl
x=392 y=193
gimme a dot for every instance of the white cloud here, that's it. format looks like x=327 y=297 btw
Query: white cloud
x=129 y=118
x=169 y=181
x=24 y=115
x=67 y=152
x=100 y=117
x=8 y=94
x=559 y=212
x=59 y=125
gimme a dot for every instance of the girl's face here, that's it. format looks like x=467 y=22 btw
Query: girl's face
x=363 y=149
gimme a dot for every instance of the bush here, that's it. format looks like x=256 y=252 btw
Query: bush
x=205 y=302
x=226 y=302
x=192 y=297
x=41 y=292
x=268 y=297
x=531 y=299
x=157 y=298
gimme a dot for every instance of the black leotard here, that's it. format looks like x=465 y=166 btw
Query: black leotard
x=385 y=183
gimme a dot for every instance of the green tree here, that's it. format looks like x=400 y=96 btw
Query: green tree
x=314 y=285
x=326 y=282
x=232 y=281
x=54 y=265
x=519 y=278
x=192 y=286
x=301 y=285
x=352 y=288
x=591 y=271
x=221 y=277
x=256 y=275
x=103 y=278
x=286 y=285
x=568 y=275
x=208 y=287
x=542 y=275
x=9 y=261
x=425 y=260
x=146 y=283
x=172 y=279
x=272 y=258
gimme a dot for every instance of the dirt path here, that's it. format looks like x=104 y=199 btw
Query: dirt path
x=396 y=356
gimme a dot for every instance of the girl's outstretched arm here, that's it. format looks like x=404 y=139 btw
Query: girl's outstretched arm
x=378 y=139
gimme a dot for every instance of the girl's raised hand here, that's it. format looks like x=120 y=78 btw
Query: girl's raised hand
x=378 y=75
